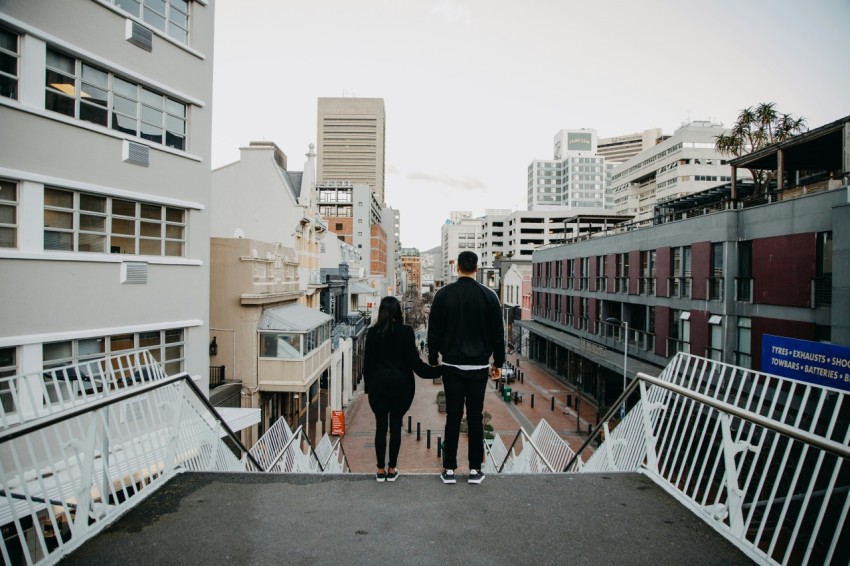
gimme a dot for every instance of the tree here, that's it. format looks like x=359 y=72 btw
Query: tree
x=758 y=127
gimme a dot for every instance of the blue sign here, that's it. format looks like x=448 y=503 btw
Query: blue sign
x=810 y=362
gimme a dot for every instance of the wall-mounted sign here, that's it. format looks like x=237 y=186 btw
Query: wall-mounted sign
x=579 y=142
x=337 y=423
x=810 y=362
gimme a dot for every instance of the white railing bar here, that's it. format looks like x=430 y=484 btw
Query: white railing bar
x=803 y=436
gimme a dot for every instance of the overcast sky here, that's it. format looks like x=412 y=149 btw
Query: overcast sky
x=475 y=90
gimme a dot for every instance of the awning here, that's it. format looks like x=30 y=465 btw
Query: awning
x=358 y=289
x=292 y=318
x=238 y=419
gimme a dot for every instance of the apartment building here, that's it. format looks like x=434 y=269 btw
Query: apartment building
x=575 y=178
x=682 y=164
x=104 y=182
x=722 y=279
x=266 y=287
x=411 y=267
x=461 y=233
x=622 y=148
x=351 y=142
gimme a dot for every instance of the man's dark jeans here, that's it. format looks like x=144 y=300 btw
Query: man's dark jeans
x=464 y=388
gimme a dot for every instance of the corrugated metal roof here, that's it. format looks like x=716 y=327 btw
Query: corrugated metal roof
x=292 y=318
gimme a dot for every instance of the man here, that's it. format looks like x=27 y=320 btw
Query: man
x=465 y=329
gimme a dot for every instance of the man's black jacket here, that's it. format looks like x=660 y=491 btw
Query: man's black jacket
x=465 y=325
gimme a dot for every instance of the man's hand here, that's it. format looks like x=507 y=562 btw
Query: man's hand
x=495 y=373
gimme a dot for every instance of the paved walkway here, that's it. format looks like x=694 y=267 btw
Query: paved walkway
x=506 y=418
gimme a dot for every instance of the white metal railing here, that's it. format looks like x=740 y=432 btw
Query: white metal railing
x=761 y=458
x=280 y=450
x=543 y=451
x=35 y=395
x=66 y=476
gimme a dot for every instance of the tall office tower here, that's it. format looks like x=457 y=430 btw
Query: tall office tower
x=351 y=142
x=575 y=178
x=105 y=183
x=622 y=148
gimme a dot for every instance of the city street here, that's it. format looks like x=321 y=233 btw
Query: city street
x=506 y=419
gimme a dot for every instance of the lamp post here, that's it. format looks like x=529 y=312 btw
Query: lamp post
x=612 y=320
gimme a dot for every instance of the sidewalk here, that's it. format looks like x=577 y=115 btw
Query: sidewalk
x=507 y=418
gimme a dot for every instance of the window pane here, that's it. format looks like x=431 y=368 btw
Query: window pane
x=8 y=87
x=120 y=342
x=174 y=214
x=56 y=351
x=57 y=219
x=93 y=114
x=58 y=240
x=181 y=20
x=131 y=6
x=175 y=141
x=176 y=108
x=8 y=64
x=173 y=335
x=95 y=76
x=155 y=20
x=151 y=211
x=175 y=125
x=178 y=33
x=9 y=40
x=58 y=198
x=92 y=203
x=174 y=232
x=123 y=226
x=123 y=207
x=124 y=124
x=94 y=95
x=152 y=133
x=125 y=105
x=122 y=245
x=149 y=339
x=151 y=229
x=92 y=243
x=151 y=99
x=174 y=249
x=91 y=347
x=8 y=238
x=90 y=223
x=174 y=352
x=125 y=88
x=150 y=247
x=59 y=61
x=7 y=214
x=59 y=103
x=152 y=116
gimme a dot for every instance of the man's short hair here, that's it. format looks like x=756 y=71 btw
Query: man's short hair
x=467 y=262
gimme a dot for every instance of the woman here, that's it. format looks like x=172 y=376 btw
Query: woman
x=389 y=362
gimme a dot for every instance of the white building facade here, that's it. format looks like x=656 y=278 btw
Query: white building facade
x=104 y=183
x=464 y=234
x=683 y=164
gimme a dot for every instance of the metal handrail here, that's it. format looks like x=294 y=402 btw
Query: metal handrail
x=35 y=425
x=521 y=432
x=830 y=446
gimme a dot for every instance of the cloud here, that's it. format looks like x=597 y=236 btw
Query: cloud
x=455 y=183
x=453 y=12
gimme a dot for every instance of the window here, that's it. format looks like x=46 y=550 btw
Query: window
x=8 y=214
x=744 y=353
x=165 y=346
x=8 y=368
x=81 y=222
x=82 y=91
x=715 y=347
x=8 y=64
x=168 y=16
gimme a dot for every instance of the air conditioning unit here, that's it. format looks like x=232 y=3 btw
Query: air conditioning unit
x=134 y=273
x=135 y=153
x=138 y=35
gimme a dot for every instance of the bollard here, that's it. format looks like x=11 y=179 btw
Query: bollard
x=521 y=377
x=439 y=447
x=409 y=424
x=553 y=404
x=532 y=400
x=418 y=432
x=569 y=400
x=428 y=439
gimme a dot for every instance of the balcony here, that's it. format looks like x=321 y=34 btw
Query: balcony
x=744 y=289
x=646 y=285
x=680 y=287
x=293 y=374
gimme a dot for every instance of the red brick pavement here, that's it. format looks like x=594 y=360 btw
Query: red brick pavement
x=416 y=457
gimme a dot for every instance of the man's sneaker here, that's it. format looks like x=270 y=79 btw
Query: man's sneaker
x=475 y=476
x=448 y=476
x=392 y=476
x=381 y=476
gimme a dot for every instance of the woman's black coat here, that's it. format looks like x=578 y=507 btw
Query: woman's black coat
x=390 y=361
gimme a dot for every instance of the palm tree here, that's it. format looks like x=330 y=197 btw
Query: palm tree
x=758 y=127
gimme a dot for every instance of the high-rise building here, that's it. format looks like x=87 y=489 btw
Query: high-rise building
x=622 y=148
x=682 y=164
x=351 y=142
x=105 y=183
x=575 y=178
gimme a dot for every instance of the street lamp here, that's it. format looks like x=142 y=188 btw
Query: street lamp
x=612 y=320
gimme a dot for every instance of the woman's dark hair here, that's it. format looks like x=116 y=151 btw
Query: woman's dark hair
x=389 y=313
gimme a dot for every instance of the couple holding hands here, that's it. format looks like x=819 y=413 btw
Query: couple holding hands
x=465 y=345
